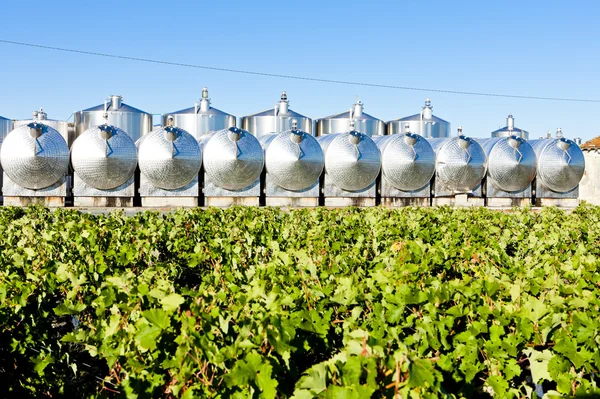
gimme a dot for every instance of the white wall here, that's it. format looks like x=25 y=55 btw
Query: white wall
x=589 y=188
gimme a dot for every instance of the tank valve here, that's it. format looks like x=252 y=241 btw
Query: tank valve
x=355 y=137
x=515 y=142
x=283 y=96
x=35 y=129
x=205 y=93
x=170 y=120
x=559 y=133
x=171 y=133
x=234 y=134
x=564 y=144
x=410 y=139
x=464 y=142
x=106 y=131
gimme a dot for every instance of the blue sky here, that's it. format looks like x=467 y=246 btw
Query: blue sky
x=540 y=48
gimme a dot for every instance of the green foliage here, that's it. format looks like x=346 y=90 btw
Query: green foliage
x=262 y=303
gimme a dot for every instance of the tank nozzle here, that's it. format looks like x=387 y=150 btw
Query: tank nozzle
x=410 y=139
x=171 y=133
x=234 y=134
x=355 y=137
x=106 y=131
x=515 y=142
x=35 y=129
x=205 y=93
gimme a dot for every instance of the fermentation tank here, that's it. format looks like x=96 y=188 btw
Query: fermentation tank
x=169 y=159
x=352 y=164
x=510 y=130
x=276 y=120
x=104 y=158
x=424 y=123
x=294 y=162
x=460 y=165
x=6 y=125
x=560 y=167
x=34 y=157
x=339 y=123
x=233 y=160
x=407 y=165
x=511 y=166
x=66 y=129
x=200 y=119
x=116 y=113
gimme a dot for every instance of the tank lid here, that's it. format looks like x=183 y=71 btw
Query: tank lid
x=353 y=114
x=282 y=108
x=122 y=108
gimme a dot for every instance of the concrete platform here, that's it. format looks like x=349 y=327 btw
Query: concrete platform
x=292 y=202
x=103 y=202
x=50 y=202
x=404 y=201
x=224 y=202
x=507 y=202
x=161 y=202
x=352 y=201
x=557 y=202
x=459 y=200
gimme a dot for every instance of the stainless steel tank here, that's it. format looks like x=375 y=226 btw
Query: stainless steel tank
x=114 y=112
x=66 y=129
x=200 y=119
x=460 y=165
x=104 y=157
x=510 y=130
x=424 y=123
x=276 y=120
x=294 y=160
x=407 y=161
x=352 y=161
x=35 y=156
x=560 y=166
x=233 y=161
x=363 y=122
x=6 y=125
x=169 y=157
x=511 y=164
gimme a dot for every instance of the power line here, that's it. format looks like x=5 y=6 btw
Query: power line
x=304 y=78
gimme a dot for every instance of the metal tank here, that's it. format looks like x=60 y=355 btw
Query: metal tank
x=511 y=167
x=363 y=122
x=170 y=160
x=294 y=162
x=35 y=160
x=460 y=166
x=510 y=130
x=200 y=119
x=407 y=166
x=352 y=164
x=116 y=113
x=66 y=129
x=424 y=123
x=6 y=125
x=104 y=159
x=233 y=160
x=560 y=168
x=276 y=120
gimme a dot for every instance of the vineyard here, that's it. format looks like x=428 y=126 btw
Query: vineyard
x=263 y=303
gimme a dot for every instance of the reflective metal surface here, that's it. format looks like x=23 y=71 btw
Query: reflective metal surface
x=560 y=163
x=169 y=157
x=66 y=129
x=352 y=160
x=339 y=123
x=200 y=119
x=114 y=112
x=407 y=160
x=293 y=159
x=233 y=158
x=6 y=125
x=424 y=123
x=276 y=120
x=510 y=130
x=104 y=157
x=35 y=156
x=511 y=162
x=460 y=163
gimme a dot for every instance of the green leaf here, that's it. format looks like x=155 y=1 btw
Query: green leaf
x=171 y=302
x=158 y=317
